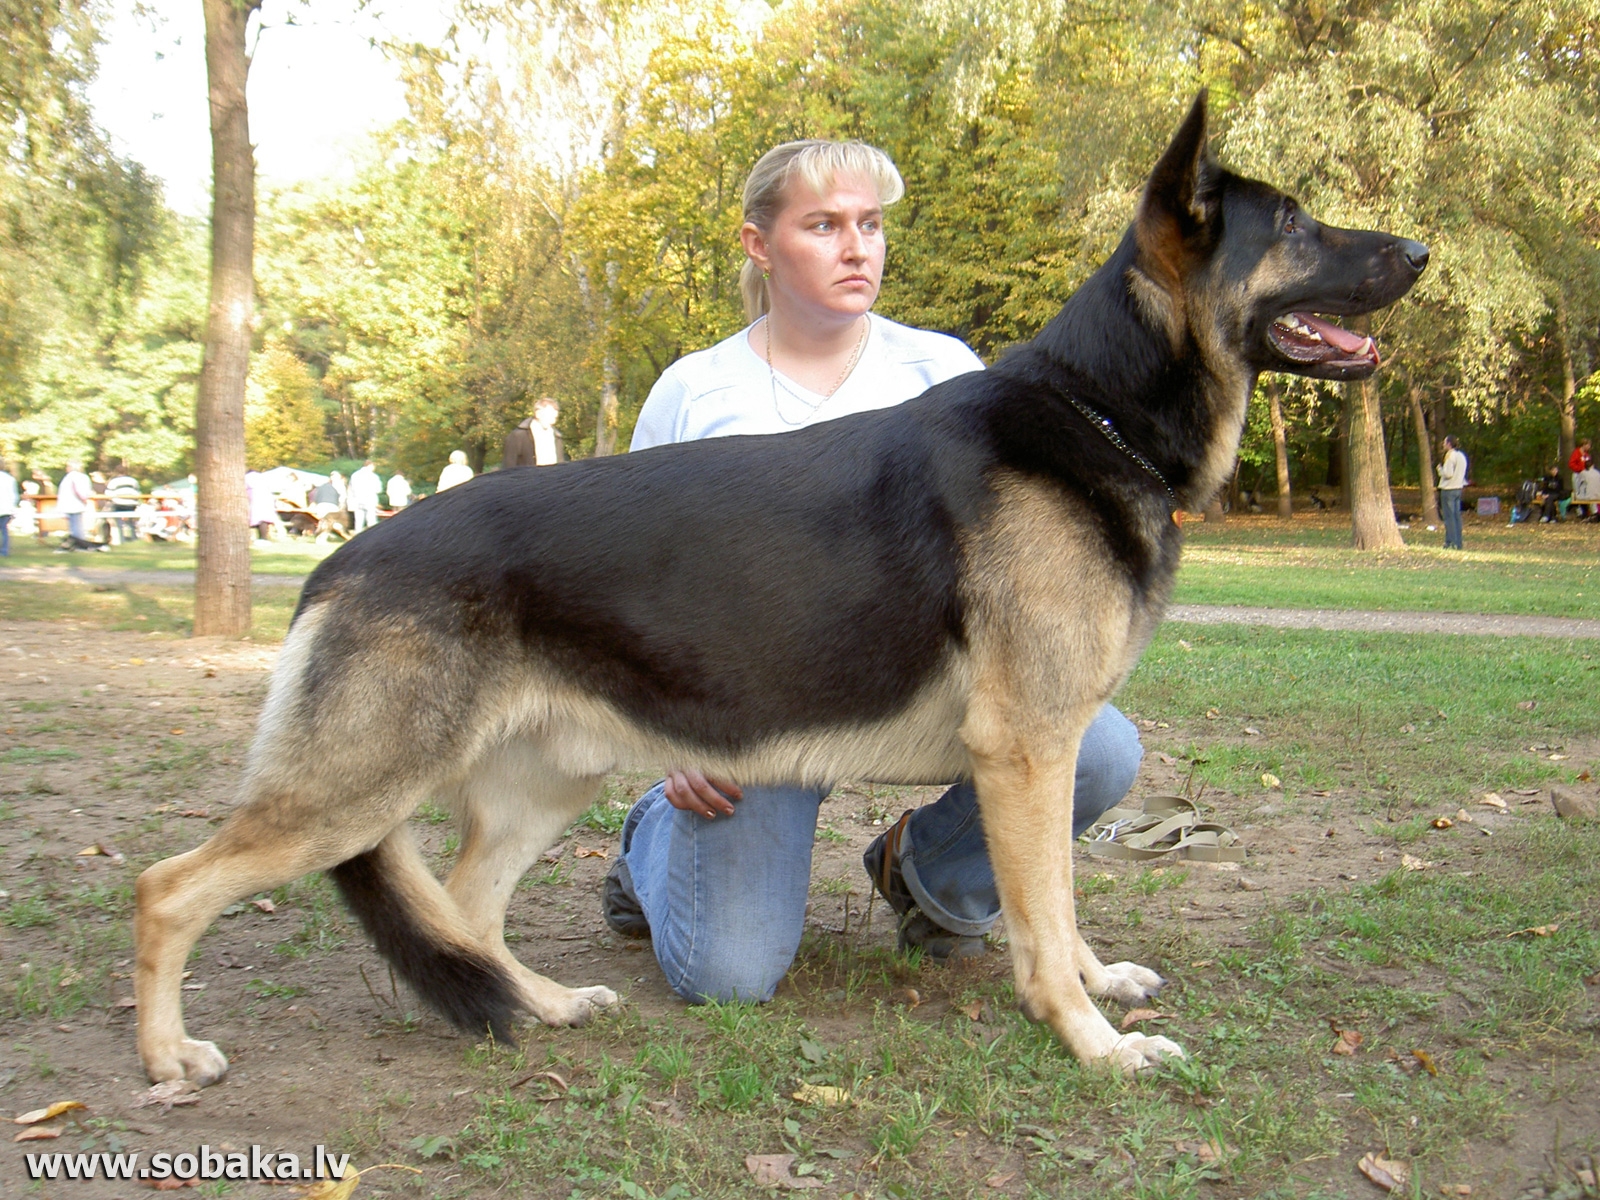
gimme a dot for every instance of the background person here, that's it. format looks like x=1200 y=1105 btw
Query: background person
x=364 y=495
x=1552 y=491
x=8 y=507
x=74 y=497
x=722 y=889
x=1452 y=478
x=536 y=442
x=123 y=492
x=456 y=471
x=399 y=491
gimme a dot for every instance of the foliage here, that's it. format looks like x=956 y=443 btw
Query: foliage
x=284 y=425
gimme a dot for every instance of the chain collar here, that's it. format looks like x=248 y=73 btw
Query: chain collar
x=1108 y=431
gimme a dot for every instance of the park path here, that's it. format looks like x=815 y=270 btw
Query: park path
x=1353 y=620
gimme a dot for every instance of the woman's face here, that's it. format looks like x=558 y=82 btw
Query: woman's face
x=824 y=252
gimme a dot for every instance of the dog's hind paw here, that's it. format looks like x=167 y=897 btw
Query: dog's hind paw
x=577 y=1007
x=1129 y=984
x=1135 y=1052
x=201 y=1063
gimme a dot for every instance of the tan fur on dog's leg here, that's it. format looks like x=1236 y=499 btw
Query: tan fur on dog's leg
x=261 y=847
x=1025 y=799
x=512 y=806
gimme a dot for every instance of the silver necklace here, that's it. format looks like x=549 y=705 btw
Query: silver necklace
x=1107 y=430
x=811 y=405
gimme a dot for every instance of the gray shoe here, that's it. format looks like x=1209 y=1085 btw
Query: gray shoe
x=618 y=904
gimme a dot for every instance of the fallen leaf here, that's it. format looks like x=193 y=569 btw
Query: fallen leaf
x=910 y=997
x=37 y=1134
x=1251 y=729
x=1182 y=642
x=1534 y=931
x=1426 y=1060
x=1166 y=759
x=974 y=1010
x=265 y=905
x=549 y=1076
x=585 y=852
x=100 y=849
x=1455 y=1189
x=195 y=812
x=166 y=1095
x=1270 y=781
x=136 y=662
x=1527 y=705
x=1493 y=800
x=1213 y=714
x=1388 y=1174
x=1463 y=817
x=1349 y=1041
x=999 y=1179
x=334 y=1189
x=1557 y=757
x=175 y=732
x=1206 y=1152
x=1412 y=863
x=49 y=1114
x=772 y=1170
x=1442 y=823
x=1135 y=1015
x=822 y=1095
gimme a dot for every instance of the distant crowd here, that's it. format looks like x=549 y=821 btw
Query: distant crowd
x=91 y=512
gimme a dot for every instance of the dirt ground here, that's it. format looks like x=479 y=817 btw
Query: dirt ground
x=132 y=743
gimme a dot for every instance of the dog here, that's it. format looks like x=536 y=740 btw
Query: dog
x=951 y=587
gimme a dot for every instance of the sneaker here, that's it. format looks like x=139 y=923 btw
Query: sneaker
x=918 y=931
x=618 y=904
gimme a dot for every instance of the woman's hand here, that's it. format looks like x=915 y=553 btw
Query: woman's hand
x=693 y=792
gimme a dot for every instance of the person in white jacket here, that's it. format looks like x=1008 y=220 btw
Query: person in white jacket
x=457 y=471
x=8 y=507
x=1452 y=478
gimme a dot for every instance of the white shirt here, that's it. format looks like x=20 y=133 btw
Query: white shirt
x=399 y=491
x=453 y=474
x=730 y=389
x=364 y=489
x=73 y=495
x=1453 y=471
x=544 y=445
x=8 y=494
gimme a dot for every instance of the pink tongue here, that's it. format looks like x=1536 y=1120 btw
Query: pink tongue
x=1343 y=339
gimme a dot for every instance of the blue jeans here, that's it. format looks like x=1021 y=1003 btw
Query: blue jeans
x=75 y=526
x=726 y=898
x=5 y=535
x=1450 y=511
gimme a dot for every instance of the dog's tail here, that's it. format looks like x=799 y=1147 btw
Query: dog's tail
x=415 y=925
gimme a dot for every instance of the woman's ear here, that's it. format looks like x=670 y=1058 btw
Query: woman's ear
x=755 y=246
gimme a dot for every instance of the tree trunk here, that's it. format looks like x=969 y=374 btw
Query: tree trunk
x=1280 y=450
x=605 y=424
x=1569 y=388
x=1371 y=504
x=1430 y=490
x=222 y=548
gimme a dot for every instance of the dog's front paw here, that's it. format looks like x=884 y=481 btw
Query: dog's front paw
x=1129 y=984
x=201 y=1063
x=1135 y=1052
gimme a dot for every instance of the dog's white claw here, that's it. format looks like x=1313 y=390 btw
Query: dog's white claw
x=585 y=1004
x=201 y=1063
x=1130 y=984
x=1135 y=1052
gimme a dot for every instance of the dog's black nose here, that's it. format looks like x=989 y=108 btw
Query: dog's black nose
x=1416 y=255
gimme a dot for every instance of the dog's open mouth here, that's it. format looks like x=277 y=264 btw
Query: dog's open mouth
x=1321 y=347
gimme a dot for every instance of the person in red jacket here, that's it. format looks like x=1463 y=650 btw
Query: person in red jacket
x=1583 y=457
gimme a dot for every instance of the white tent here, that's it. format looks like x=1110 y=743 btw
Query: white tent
x=278 y=478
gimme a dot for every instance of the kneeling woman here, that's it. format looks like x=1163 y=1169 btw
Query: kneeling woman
x=718 y=875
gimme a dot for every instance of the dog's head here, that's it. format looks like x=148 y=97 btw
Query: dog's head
x=1236 y=266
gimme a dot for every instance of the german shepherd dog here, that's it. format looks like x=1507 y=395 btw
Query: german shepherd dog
x=947 y=588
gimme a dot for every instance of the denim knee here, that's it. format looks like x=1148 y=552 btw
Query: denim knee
x=1108 y=762
x=729 y=973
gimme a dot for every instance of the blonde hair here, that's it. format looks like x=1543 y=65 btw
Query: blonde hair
x=819 y=164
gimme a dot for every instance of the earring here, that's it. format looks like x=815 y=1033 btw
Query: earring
x=765 y=276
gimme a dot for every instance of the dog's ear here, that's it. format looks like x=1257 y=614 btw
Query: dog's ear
x=1179 y=207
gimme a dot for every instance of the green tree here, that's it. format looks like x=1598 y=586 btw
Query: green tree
x=284 y=425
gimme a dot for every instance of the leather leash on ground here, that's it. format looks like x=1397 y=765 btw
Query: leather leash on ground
x=1165 y=827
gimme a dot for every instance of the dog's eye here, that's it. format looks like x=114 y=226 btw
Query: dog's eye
x=1291 y=223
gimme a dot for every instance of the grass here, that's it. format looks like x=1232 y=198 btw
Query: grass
x=960 y=1089
x=1308 y=563
x=282 y=557
x=1415 y=717
x=156 y=609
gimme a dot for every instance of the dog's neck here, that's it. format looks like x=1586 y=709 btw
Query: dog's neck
x=1167 y=404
